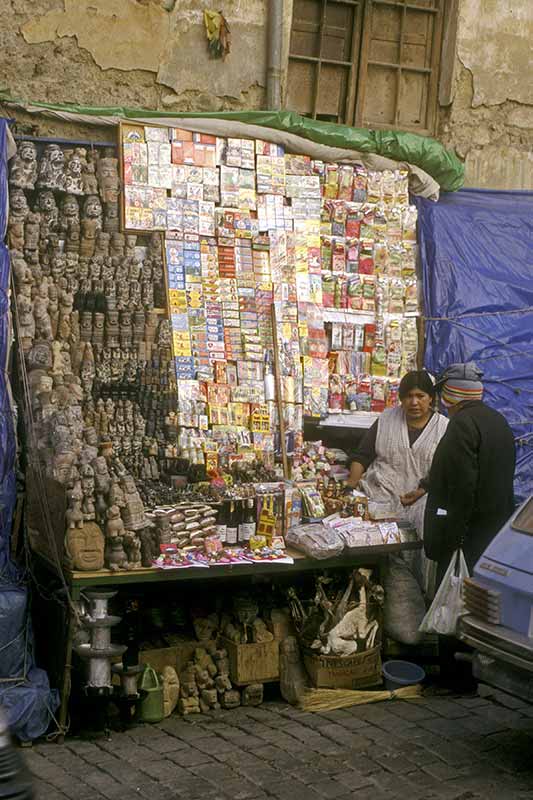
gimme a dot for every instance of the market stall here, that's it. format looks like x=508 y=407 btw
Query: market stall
x=184 y=299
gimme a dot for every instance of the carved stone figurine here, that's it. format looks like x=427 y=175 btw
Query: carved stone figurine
x=111 y=218
x=102 y=478
x=32 y=227
x=18 y=211
x=52 y=169
x=89 y=182
x=114 y=525
x=252 y=695
x=23 y=166
x=73 y=174
x=69 y=213
x=293 y=677
x=115 y=555
x=108 y=180
x=149 y=549
x=84 y=547
x=74 y=514
x=133 y=512
x=26 y=322
x=132 y=546
x=46 y=206
x=92 y=209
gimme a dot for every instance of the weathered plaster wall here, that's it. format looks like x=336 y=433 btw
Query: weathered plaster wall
x=490 y=119
x=146 y=53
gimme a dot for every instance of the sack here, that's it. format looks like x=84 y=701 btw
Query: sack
x=315 y=540
x=404 y=606
x=447 y=606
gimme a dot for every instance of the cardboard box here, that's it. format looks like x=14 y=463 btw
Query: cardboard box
x=176 y=656
x=359 y=671
x=252 y=663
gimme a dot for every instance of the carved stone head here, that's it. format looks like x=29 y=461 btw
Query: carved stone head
x=84 y=547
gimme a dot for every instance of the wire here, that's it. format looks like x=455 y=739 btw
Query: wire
x=33 y=461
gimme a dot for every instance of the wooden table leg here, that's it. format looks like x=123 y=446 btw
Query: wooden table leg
x=67 y=669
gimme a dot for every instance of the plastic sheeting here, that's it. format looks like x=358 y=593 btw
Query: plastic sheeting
x=422 y=151
x=14 y=632
x=29 y=705
x=477 y=259
x=25 y=693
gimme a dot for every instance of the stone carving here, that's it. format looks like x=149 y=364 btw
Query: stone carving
x=132 y=546
x=293 y=679
x=18 y=211
x=108 y=180
x=133 y=512
x=252 y=695
x=47 y=208
x=74 y=173
x=69 y=213
x=26 y=322
x=89 y=182
x=111 y=218
x=84 y=547
x=32 y=226
x=92 y=209
x=171 y=690
x=23 y=166
x=149 y=548
x=51 y=173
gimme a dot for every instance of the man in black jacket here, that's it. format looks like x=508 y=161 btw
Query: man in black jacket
x=470 y=493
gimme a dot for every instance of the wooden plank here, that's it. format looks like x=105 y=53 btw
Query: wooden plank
x=357 y=556
x=449 y=47
x=279 y=397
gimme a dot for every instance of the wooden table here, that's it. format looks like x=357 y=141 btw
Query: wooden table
x=78 y=581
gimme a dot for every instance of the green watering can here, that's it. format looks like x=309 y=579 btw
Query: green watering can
x=151 y=689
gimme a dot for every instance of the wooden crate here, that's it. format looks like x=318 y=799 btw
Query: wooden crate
x=345 y=672
x=176 y=656
x=252 y=663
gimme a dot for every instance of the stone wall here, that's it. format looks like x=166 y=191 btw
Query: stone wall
x=153 y=54
x=142 y=53
x=490 y=119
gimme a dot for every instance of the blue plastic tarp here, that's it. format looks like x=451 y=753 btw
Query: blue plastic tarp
x=476 y=251
x=25 y=693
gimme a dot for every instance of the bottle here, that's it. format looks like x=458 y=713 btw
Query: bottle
x=240 y=510
x=222 y=522
x=232 y=525
x=248 y=525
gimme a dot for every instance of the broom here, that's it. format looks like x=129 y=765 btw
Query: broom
x=332 y=699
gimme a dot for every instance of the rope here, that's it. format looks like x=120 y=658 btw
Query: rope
x=34 y=463
x=60 y=730
x=481 y=314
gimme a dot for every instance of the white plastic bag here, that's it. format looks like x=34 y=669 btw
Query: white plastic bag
x=447 y=606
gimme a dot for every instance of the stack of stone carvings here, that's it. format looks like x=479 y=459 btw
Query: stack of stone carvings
x=205 y=684
x=100 y=370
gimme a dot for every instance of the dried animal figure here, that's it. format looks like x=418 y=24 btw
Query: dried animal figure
x=355 y=625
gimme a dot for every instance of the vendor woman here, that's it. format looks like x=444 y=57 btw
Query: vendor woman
x=392 y=463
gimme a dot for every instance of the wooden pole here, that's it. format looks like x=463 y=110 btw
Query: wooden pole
x=279 y=397
x=67 y=669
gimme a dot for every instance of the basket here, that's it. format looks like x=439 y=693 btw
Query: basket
x=359 y=671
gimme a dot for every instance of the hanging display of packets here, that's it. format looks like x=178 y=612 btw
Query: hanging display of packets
x=249 y=228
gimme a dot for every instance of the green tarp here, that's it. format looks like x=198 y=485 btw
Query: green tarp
x=428 y=154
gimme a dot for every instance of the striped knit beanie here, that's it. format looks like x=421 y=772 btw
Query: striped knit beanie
x=460 y=383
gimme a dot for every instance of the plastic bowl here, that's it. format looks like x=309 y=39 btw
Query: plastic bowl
x=401 y=673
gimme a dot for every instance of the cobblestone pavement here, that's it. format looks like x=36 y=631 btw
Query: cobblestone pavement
x=435 y=747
